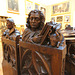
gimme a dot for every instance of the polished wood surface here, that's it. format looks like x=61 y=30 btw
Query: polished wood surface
x=10 y=62
x=39 y=59
x=7 y=69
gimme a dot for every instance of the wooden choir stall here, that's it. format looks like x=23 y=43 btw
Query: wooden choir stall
x=30 y=58
x=41 y=51
x=11 y=60
x=43 y=58
x=69 y=36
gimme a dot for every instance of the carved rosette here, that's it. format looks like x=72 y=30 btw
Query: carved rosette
x=35 y=63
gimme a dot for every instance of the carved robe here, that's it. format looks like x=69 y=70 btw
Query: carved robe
x=28 y=35
x=11 y=34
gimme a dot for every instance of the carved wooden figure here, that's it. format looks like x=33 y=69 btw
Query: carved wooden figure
x=35 y=22
x=10 y=41
x=39 y=55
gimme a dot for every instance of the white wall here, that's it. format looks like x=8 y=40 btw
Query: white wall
x=20 y=19
x=73 y=12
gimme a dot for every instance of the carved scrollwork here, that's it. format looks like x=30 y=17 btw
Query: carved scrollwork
x=35 y=63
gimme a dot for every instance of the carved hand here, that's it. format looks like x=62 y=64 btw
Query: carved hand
x=37 y=39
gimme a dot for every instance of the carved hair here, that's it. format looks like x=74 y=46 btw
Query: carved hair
x=11 y=20
x=42 y=18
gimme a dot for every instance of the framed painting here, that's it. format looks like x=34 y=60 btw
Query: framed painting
x=59 y=18
x=43 y=10
x=28 y=6
x=13 y=5
x=61 y=8
x=67 y=18
x=36 y=6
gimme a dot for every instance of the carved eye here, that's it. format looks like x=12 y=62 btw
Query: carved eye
x=31 y=18
x=36 y=18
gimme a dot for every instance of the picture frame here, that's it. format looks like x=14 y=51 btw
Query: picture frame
x=28 y=6
x=13 y=6
x=43 y=10
x=59 y=18
x=61 y=8
x=67 y=18
x=36 y=6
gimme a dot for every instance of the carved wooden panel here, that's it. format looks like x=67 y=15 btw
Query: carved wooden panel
x=41 y=60
x=34 y=62
x=11 y=55
x=70 y=58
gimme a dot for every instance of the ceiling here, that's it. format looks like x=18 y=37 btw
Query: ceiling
x=49 y=2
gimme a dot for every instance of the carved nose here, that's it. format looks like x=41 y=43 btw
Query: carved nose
x=33 y=20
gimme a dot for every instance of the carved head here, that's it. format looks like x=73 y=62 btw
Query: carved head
x=10 y=23
x=54 y=39
x=35 y=19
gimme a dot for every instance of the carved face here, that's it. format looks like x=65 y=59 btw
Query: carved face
x=34 y=20
x=9 y=25
x=53 y=40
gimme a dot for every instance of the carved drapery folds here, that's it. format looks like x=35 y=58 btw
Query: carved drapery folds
x=49 y=35
x=35 y=63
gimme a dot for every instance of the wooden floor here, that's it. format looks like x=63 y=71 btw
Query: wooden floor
x=1 y=58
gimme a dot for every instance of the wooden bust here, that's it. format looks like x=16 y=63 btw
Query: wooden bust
x=44 y=34
x=11 y=32
x=35 y=22
x=37 y=32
